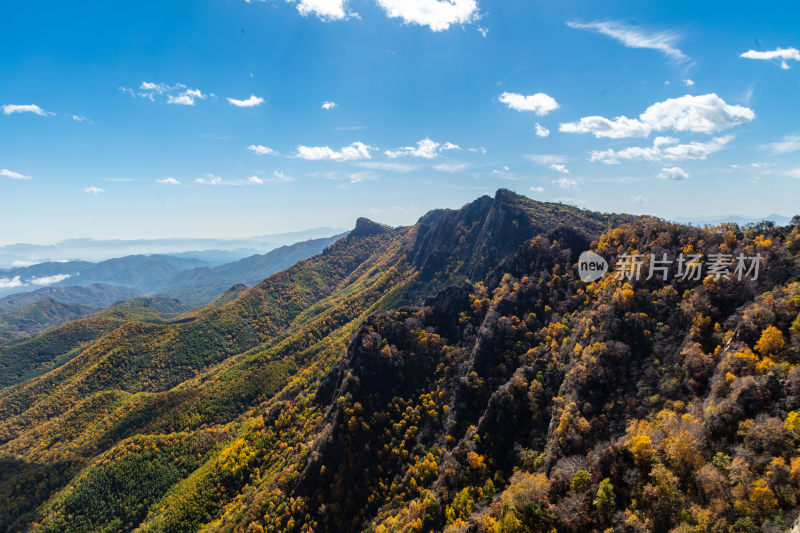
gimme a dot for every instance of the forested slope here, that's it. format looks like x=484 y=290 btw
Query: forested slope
x=453 y=375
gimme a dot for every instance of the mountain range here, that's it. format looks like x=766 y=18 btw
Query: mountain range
x=453 y=375
x=80 y=288
x=213 y=251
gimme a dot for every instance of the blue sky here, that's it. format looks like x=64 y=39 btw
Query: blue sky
x=140 y=119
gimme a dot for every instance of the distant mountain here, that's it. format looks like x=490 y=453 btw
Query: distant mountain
x=100 y=250
x=217 y=257
x=200 y=286
x=741 y=220
x=135 y=271
x=38 y=316
x=97 y=296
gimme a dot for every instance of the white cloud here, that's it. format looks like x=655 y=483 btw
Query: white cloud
x=541 y=131
x=700 y=114
x=537 y=190
x=13 y=175
x=211 y=179
x=324 y=9
x=10 y=109
x=638 y=199
x=364 y=175
x=168 y=181
x=261 y=150
x=566 y=183
x=329 y=105
x=688 y=82
x=390 y=166
x=664 y=42
x=281 y=177
x=479 y=150
x=483 y=31
x=187 y=97
x=93 y=190
x=425 y=148
x=450 y=146
x=781 y=54
x=79 y=118
x=10 y=283
x=794 y=173
x=178 y=94
x=789 y=143
x=559 y=168
x=354 y=152
x=673 y=173
x=707 y=113
x=618 y=128
x=451 y=167
x=253 y=101
x=539 y=103
x=663 y=148
x=438 y=15
x=545 y=159
x=49 y=280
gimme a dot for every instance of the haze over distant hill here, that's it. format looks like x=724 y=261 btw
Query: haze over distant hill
x=82 y=288
x=22 y=254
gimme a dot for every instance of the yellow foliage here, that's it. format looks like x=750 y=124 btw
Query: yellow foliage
x=792 y=423
x=771 y=342
x=525 y=488
x=640 y=440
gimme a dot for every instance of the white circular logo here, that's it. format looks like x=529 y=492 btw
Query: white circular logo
x=591 y=267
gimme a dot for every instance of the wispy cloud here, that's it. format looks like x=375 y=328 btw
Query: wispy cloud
x=632 y=37
x=261 y=150
x=566 y=183
x=49 y=280
x=789 y=143
x=329 y=105
x=673 y=174
x=178 y=94
x=253 y=101
x=451 y=167
x=663 y=148
x=93 y=190
x=388 y=166
x=10 y=109
x=780 y=55
x=13 y=175
x=213 y=180
x=562 y=169
x=10 y=283
x=168 y=181
x=79 y=118
x=426 y=149
x=541 y=131
x=545 y=159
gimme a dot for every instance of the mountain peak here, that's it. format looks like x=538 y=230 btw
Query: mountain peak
x=367 y=228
